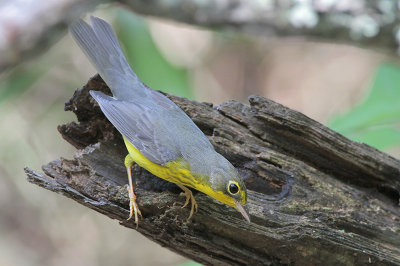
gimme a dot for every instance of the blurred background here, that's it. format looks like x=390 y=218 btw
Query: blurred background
x=351 y=90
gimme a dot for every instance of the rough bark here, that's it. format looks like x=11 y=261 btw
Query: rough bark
x=315 y=197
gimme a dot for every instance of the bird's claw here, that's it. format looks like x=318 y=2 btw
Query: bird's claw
x=189 y=197
x=133 y=207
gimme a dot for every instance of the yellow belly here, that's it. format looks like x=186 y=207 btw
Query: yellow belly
x=175 y=172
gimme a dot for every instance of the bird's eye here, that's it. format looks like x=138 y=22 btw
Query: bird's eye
x=233 y=187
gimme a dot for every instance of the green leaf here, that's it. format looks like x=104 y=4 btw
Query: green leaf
x=376 y=121
x=146 y=60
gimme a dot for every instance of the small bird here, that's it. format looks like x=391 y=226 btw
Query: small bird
x=158 y=135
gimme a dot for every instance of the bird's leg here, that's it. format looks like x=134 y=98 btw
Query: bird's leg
x=133 y=207
x=189 y=197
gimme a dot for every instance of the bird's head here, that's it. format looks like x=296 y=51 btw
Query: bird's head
x=227 y=187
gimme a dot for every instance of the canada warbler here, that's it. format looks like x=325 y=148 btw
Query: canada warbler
x=159 y=136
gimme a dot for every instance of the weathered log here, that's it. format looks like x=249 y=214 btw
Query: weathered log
x=314 y=196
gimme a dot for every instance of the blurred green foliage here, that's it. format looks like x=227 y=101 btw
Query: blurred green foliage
x=20 y=79
x=146 y=60
x=376 y=120
x=191 y=263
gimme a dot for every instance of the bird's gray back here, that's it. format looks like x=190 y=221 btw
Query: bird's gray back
x=177 y=129
x=158 y=128
x=193 y=145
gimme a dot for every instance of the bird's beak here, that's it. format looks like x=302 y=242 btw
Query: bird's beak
x=243 y=210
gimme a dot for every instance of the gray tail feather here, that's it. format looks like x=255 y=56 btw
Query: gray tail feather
x=101 y=46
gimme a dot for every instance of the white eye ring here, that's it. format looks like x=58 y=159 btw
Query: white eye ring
x=233 y=187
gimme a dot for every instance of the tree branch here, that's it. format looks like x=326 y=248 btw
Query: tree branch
x=364 y=23
x=314 y=196
x=28 y=28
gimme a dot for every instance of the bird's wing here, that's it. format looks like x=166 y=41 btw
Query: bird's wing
x=139 y=125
